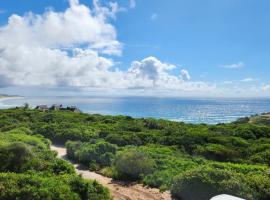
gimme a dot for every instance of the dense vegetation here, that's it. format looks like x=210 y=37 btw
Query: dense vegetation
x=193 y=161
x=29 y=170
x=96 y=154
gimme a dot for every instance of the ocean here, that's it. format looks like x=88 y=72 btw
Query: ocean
x=210 y=111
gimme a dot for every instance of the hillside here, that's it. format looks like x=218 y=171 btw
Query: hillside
x=263 y=119
x=29 y=170
x=194 y=162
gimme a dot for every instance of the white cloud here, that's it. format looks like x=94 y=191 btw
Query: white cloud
x=149 y=72
x=67 y=49
x=42 y=66
x=233 y=66
x=185 y=75
x=248 y=80
x=154 y=16
x=150 y=68
x=152 y=73
x=132 y=3
x=59 y=48
x=110 y=11
x=78 y=25
x=266 y=88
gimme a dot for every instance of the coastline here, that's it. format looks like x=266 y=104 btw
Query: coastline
x=5 y=98
x=179 y=110
x=9 y=97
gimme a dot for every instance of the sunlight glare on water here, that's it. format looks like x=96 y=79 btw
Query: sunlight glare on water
x=209 y=111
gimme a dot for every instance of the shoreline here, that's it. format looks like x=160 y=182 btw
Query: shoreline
x=204 y=117
x=10 y=97
x=4 y=98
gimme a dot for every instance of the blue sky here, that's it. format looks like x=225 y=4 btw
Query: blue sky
x=216 y=47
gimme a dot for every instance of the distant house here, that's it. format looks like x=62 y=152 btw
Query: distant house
x=56 y=107
x=42 y=108
x=73 y=109
x=225 y=197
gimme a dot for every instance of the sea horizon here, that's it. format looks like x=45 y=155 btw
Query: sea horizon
x=182 y=109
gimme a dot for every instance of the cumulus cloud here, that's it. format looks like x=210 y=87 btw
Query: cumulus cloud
x=152 y=73
x=42 y=66
x=71 y=48
x=233 y=66
x=59 y=48
x=78 y=25
x=149 y=69
x=185 y=75
x=266 y=88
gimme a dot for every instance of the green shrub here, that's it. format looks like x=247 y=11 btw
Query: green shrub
x=39 y=187
x=72 y=146
x=262 y=157
x=173 y=148
x=204 y=183
x=89 y=190
x=59 y=166
x=15 y=157
x=19 y=136
x=260 y=182
x=218 y=152
x=152 y=124
x=95 y=154
x=20 y=187
x=133 y=165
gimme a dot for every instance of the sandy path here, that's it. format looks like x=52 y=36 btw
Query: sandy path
x=119 y=190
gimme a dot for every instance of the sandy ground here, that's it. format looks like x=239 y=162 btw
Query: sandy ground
x=119 y=190
x=260 y=118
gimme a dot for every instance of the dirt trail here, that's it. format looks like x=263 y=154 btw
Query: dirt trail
x=119 y=190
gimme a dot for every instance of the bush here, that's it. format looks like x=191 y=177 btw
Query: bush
x=21 y=186
x=89 y=190
x=175 y=150
x=204 y=183
x=38 y=187
x=217 y=152
x=72 y=146
x=124 y=139
x=262 y=157
x=261 y=184
x=132 y=165
x=15 y=157
x=95 y=154
x=60 y=166
x=152 y=124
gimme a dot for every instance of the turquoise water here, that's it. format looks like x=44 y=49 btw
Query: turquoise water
x=209 y=111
